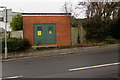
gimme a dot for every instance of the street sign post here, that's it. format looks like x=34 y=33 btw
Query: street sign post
x=5 y=30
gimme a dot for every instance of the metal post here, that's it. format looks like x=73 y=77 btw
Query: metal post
x=5 y=30
x=5 y=33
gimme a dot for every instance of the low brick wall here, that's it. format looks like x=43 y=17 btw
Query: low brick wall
x=12 y=34
x=16 y=34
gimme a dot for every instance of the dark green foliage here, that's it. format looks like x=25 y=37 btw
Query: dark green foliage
x=15 y=44
x=74 y=22
x=17 y=23
x=101 y=25
x=114 y=29
x=95 y=29
x=99 y=30
x=110 y=40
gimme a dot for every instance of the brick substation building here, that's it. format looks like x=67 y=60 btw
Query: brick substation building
x=47 y=29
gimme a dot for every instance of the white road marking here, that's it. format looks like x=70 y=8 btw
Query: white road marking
x=90 y=67
x=13 y=77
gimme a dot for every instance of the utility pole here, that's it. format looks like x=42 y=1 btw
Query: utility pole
x=5 y=30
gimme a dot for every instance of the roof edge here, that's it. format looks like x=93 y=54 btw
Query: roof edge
x=46 y=14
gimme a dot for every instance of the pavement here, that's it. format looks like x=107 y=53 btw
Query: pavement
x=55 y=52
x=92 y=62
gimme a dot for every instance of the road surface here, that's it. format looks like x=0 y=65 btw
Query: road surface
x=95 y=64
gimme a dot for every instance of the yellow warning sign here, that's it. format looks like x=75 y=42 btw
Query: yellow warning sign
x=39 y=33
x=50 y=32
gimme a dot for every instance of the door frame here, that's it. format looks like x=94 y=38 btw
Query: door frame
x=37 y=30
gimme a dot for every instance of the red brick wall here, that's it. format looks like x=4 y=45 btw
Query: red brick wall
x=62 y=28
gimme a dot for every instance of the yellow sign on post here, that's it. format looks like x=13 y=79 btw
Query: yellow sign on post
x=39 y=33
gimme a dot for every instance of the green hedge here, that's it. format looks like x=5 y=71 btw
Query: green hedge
x=110 y=40
x=15 y=44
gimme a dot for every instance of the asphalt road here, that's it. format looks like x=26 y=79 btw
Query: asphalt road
x=95 y=64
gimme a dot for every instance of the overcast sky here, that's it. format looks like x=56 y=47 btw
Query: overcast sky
x=39 y=6
x=35 y=5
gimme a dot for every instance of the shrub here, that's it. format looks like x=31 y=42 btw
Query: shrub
x=15 y=44
x=17 y=22
x=110 y=40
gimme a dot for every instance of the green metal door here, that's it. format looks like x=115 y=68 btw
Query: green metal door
x=44 y=34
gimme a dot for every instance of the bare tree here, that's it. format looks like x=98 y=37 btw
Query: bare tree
x=104 y=10
x=69 y=8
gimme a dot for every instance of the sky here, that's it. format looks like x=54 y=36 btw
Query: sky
x=36 y=6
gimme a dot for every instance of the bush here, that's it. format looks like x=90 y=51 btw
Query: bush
x=110 y=40
x=17 y=22
x=15 y=44
x=95 y=28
